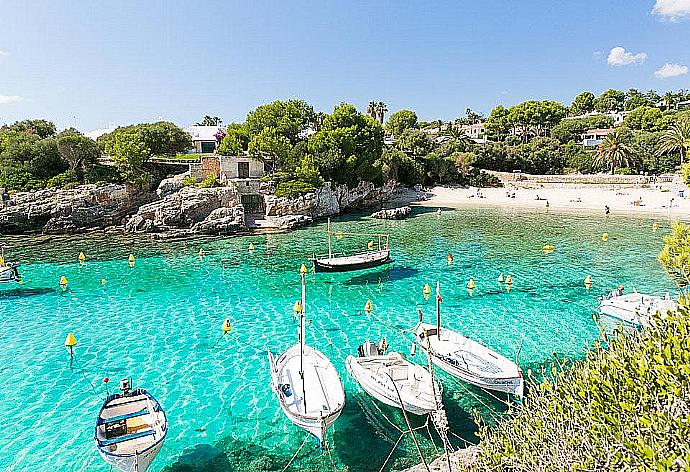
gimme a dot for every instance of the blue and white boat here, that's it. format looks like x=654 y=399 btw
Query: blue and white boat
x=130 y=429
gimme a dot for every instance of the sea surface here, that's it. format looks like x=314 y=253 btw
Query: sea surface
x=159 y=322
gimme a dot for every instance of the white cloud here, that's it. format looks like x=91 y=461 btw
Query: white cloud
x=10 y=99
x=4 y=53
x=671 y=70
x=672 y=10
x=620 y=57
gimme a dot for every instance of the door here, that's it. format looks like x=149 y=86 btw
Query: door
x=253 y=204
x=243 y=170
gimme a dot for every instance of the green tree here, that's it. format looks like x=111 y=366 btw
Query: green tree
x=498 y=125
x=675 y=255
x=160 y=138
x=236 y=140
x=381 y=110
x=634 y=99
x=129 y=153
x=535 y=118
x=571 y=129
x=614 y=151
x=583 y=103
x=644 y=118
x=210 y=121
x=41 y=128
x=400 y=121
x=676 y=139
x=80 y=153
x=610 y=100
x=270 y=144
x=290 y=119
x=414 y=142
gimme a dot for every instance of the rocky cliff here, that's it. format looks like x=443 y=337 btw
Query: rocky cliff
x=83 y=208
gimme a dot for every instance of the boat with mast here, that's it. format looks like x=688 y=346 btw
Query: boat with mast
x=130 y=429
x=305 y=381
x=466 y=359
x=8 y=270
x=375 y=256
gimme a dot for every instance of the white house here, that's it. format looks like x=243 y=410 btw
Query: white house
x=595 y=137
x=204 y=139
x=475 y=130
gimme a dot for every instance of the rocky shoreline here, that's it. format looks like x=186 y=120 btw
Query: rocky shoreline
x=175 y=210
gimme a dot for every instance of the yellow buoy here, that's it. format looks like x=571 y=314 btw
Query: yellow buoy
x=63 y=281
x=2 y=261
x=426 y=290
x=303 y=269
x=605 y=237
x=339 y=234
x=251 y=246
x=202 y=253
x=297 y=307
x=500 y=278
x=131 y=258
x=82 y=257
x=70 y=340
x=471 y=284
x=588 y=280
x=103 y=281
x=655 y=226
x=368 y=307
x=226 y=326
x=549 y=248
x=370 y=245
x=509 y=280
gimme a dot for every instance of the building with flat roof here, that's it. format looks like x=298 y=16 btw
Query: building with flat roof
x=204 y=140
x=595 y=137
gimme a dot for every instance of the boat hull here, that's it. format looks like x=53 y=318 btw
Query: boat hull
x=139 y=462
x=636 y=309
x=9 y=273
x=384 y=391
x=333 y=265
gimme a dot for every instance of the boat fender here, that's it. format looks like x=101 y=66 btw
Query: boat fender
x=471 y=285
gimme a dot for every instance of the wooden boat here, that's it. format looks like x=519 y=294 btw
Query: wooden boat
x=130 y=429
x=374 y=257
x=392 y=379
x=466 y=359
x=8 y=270
x=636 y=308
x=306 y=383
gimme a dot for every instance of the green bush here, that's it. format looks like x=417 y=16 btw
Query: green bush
x=293 y=189
x=211 y=180
x=626 y=406
x=61 y=180
x=686 y=173
x=189 y=182
x=477 y=178
x=624 y=171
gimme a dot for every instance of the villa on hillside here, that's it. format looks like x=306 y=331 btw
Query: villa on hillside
x=204 y=139
x=475 y=130
x=617 y=116
x=595 y=137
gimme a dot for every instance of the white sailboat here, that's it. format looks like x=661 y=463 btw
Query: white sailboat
x=466 y=359
x=392 y=379
x=306 y=383
x=130 y=429
x=374 y=257
x=636 y=308
x=8 y=270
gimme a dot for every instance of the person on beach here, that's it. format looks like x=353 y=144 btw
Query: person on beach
x=607 y=210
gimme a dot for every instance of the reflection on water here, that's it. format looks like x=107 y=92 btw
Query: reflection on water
x=159 y=322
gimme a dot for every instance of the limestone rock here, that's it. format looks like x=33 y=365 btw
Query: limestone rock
x=393 y=213
x=170 y=185
x=222 y=220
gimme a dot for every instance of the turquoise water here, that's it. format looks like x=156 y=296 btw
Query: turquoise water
x=160 y=322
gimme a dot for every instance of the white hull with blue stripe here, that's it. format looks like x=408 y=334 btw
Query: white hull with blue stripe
x=130 y=430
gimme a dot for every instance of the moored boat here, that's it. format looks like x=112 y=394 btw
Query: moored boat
x=306 y=383
x=130 y=429
x=466 y=359
x=392 y=379
x=8 y=270
x=635 y=308
x=375 y=256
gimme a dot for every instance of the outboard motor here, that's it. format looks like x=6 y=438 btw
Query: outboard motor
x=126 y=386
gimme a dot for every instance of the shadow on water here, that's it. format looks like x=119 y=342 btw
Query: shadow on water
x=389 y=274
x=25 y=292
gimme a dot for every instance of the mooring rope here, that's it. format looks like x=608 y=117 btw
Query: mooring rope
x=296 y=452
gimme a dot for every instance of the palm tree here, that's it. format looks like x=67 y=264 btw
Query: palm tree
x=613 y=152
x=458 y=135
x=372 y=109
x=669 y=99
x=381 y=110
x=676 y=139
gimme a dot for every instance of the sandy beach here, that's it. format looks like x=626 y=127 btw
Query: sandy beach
x=633 y=200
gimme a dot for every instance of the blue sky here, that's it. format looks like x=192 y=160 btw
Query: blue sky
x=93 y=63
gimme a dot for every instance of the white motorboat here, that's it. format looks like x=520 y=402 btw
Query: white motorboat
x=392 y=379
x=306 y=383
x=466 y=359
x=8 y=270
x=374 y=257
x=636 y=308
x=130 y=429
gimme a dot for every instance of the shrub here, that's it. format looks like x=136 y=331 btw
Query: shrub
x=624 y=407
x=686 y=173
x=211 y=180
x=189 y=182
x=63 y=179
x=624 y=171
x=293 y=189
x=477 y=178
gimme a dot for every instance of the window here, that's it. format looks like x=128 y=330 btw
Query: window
x=243 y=170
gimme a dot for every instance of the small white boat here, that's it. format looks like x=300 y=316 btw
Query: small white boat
x=374 y=257
x=636 y=308
x=130 y=429
x=466 y=359
x=8 y=270
x=306 y=383
x=390 y=378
